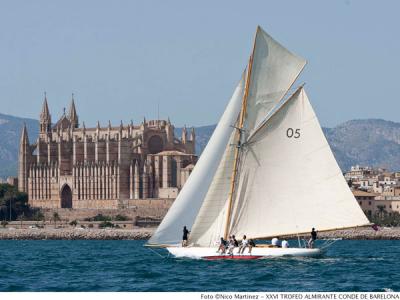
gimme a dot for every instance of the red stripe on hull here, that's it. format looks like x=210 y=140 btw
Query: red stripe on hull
x=238 y=257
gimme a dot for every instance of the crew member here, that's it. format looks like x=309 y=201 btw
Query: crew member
x=312 y=239
x=185 y=236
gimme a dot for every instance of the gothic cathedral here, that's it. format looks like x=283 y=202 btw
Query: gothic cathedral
x=71 y=166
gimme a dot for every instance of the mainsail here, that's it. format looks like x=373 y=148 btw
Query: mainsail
x=289 y=179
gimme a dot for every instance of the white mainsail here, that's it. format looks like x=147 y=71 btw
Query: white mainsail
x=289 y=179
x=186 y=206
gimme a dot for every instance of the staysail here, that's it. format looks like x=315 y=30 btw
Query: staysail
x=210 y=222
x=289 y=179
x=186 y=206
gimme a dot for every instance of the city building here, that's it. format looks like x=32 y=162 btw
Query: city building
x=377 y=191
x=71 y=166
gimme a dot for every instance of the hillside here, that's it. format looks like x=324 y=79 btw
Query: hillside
x=10 y=131
x=365 y=142
x=371 y=142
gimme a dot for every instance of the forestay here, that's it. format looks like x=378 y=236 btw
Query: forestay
x=289 y=180
x=186 y=206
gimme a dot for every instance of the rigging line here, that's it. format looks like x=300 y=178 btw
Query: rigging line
x=329 y=243
x=152 y=250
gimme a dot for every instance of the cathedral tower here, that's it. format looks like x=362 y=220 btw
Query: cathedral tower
x=24 y=160
x=72 y=115
x=184 y=135
x=45 y=119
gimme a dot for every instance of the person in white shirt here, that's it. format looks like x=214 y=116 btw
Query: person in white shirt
x=285 y=244
x=243 y=245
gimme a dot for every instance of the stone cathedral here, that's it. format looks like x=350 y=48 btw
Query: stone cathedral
x=71 y=166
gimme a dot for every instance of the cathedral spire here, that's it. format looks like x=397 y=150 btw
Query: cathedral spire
x=45 y=118
x=24 y=136
x=72 y=115
x=192 y=135
x=184 y=135
x=24 y=161
x=193 y=140
x=45 y=108
x=98 y=131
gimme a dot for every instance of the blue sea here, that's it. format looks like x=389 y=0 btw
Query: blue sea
x=128 y=266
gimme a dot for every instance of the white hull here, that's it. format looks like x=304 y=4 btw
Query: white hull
x=203 y=252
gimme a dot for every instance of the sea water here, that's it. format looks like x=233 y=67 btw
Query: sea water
x=128 y=266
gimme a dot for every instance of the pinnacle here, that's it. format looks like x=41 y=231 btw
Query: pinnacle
x=24 y=135
x=72 y=110
x=45 y=114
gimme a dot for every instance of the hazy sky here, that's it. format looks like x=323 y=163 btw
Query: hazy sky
x=123 y=58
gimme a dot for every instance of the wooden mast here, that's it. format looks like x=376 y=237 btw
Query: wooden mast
x=238 y=137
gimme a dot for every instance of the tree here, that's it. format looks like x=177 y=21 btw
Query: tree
x=21 y=218
x=12 y=202
x=73 y=223
x=56 y=218
x=381 y=211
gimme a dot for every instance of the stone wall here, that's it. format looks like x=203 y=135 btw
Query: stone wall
x=156 y=208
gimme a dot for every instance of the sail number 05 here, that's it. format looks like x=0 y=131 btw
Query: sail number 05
x=293 y=133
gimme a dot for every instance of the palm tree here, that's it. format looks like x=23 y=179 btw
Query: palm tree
x=56 y=217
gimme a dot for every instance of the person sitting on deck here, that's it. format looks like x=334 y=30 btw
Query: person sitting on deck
x=276 y=242
x=285 y=244
x=185 y=236
x=231 y=245
x=312 y=239
x=251 y=245
x=235 y=241
x=222 y=246
x=243 y=245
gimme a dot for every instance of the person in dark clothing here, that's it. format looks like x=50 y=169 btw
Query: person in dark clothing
x=312 y=239
x=185 y=236
x=251 y=245
x=222 y=246
x=235 y=241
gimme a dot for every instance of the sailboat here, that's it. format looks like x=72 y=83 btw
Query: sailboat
x=266 y=171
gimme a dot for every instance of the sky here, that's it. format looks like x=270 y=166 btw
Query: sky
x=124 y=60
